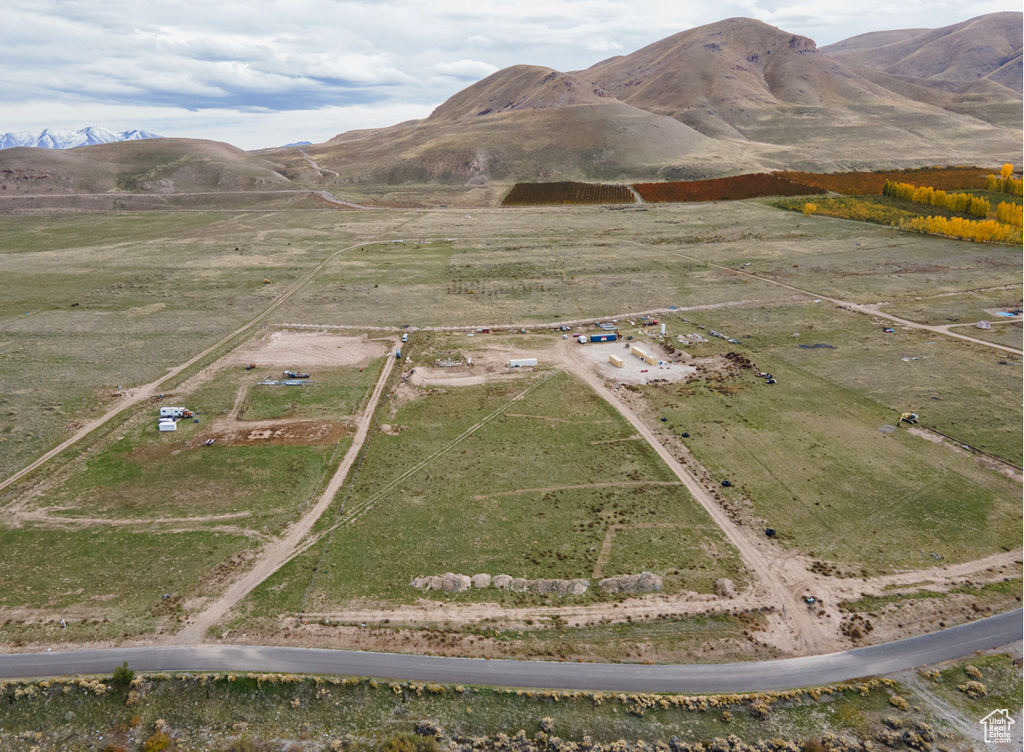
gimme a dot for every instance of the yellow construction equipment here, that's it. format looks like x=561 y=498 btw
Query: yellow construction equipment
x=908 y=418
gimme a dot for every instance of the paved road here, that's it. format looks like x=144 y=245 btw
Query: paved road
x=913 y=652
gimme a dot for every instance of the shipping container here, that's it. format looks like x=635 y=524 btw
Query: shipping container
x=610 y=337
x=522 y=362
x=615 y=361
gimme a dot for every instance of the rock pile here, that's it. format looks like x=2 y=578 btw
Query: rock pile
x=725 y=588
x=645 y=582
x=458 y=583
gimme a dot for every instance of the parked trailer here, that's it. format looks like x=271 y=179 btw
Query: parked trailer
x=172 y=412
x=522 y=362
x=616 y=361
x=609 y=337
x=167 y=425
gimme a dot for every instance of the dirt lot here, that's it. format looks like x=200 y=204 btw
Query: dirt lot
x=634 y=370
x=273 y=433
x=290 y=349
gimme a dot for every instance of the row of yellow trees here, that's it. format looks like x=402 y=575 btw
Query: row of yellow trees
x=958 y=202
x=1005 y=183
x=1010 y=214
x=986 y=231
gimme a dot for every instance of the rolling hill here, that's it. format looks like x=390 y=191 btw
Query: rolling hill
x=521 y=122
x=164 y=165
x=744 y=79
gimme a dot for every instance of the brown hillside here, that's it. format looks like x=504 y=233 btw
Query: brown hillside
x=987 y=46
x=457 y=145
x=744 y=79
x=164 y=165
x=521 y=87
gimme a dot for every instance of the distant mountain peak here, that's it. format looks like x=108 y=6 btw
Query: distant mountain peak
x=57 y=138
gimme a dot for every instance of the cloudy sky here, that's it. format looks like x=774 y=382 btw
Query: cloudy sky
x=269 y=72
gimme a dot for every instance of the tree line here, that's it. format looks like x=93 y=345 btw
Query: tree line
x=964 y=203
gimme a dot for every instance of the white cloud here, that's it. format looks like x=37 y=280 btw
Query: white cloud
x=465 y=69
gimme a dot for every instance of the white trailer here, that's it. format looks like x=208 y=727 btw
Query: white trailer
x=167 y=425
x=522 y=362
x=172 y=412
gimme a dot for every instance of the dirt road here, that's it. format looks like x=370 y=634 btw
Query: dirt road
x=763 y=562
x=278 y=553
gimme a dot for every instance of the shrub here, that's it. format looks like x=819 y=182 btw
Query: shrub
x=158 y=742
x=725 y=189
x=244 y=743
x=973 y=689
x=410 y=743
x=899 y=703
x=122 y=677
x=865 y=183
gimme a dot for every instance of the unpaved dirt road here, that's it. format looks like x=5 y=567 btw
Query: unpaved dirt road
x=762 y=560
x=278 y=553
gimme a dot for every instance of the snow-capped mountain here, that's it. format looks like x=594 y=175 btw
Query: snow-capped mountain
x=53 y=138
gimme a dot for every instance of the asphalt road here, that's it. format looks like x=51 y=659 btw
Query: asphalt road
x=912 y=652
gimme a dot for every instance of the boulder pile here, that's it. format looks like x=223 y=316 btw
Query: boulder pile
x=459 y=583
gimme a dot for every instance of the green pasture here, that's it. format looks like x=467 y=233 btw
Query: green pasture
x=528 y=494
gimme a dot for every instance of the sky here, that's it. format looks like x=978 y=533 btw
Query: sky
x=266 y=73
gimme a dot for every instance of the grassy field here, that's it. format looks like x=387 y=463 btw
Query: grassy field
x=214 y=711
x=426 y=502
x=1011 y=335
x=967 y=307
x=154 y=289
x=145 y=474
x=333 y=392
x=809 y=455
x=106 y=583
x=963 y=390
x=97 y=301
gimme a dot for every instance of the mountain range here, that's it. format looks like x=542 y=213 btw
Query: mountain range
x=734 y=96
x=727 y=97
x=53 y=138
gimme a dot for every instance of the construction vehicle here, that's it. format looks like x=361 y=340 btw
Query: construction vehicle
x=908 y=418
